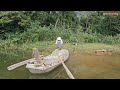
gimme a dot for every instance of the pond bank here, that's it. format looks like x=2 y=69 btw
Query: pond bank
x=46 y=47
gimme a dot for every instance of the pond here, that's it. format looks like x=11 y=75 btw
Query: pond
x=82 y=66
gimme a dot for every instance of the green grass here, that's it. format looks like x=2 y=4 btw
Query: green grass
x=12 y=50
x=49 y=46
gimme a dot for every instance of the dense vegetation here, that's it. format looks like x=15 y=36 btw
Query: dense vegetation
x=32 y=26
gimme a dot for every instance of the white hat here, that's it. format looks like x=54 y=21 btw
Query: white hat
x=59 y=38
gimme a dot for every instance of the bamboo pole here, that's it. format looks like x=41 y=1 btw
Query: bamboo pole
x=67 y=70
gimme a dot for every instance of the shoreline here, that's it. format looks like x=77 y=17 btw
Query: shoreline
x=46 y=47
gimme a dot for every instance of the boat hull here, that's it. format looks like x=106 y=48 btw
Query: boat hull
x=54 y=61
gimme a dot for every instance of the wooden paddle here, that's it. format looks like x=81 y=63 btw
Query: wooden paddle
x=67 y=70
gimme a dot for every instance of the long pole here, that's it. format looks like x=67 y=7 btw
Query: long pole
x=67 y=70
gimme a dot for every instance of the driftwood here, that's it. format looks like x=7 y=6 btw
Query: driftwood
x=103 y=52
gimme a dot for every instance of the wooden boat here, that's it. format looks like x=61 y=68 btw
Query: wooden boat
x=49 y=62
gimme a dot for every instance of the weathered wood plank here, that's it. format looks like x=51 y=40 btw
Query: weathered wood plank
x=20 y=64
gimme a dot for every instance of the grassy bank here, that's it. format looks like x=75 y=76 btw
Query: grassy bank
x=8 y=49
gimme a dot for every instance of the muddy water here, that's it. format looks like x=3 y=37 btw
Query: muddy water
x=82 y=66
x=94 y=67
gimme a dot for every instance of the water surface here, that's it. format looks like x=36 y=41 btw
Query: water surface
x=82 y=66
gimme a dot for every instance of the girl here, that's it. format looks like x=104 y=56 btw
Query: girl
x=59 y=43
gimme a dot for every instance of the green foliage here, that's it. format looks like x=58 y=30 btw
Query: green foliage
x=37 y=33
x=32 y=26
x=110 y=26
x=117 y=39
x=13 y=21
x=96 y=22
x=73 y=40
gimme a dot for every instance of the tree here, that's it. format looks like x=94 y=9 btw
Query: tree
x=12 y=21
